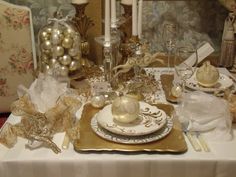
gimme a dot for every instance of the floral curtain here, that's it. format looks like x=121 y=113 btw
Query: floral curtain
x=43 y=9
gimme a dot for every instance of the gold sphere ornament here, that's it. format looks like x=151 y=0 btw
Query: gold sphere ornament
x=44 y=36
x=73 y=52
x=65 y=60
x=59 y=43
x=125 y=109
x=44 y=58
x=176 y=91
x=69 y=32
x=48 y=29
x=78 y=56
x=46 y=68
x=67 y=42
x=53 y=62
x=98 y=101
x=47 y=52
x=56 y=39
x=56 y=31
x=74 y=65
x=47 y=45
x=64 y=70
x=58 y=51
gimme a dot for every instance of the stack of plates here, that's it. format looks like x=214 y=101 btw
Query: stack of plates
x=151 y=125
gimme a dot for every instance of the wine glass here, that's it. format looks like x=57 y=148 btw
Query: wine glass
x=185 y=64
x=169 y=37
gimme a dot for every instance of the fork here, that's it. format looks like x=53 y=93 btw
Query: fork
x=191 y=138
x=202 y=142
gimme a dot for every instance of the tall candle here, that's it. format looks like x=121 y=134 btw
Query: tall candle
x=79 y=1
x=134 y=18
x=140 y=12
x=126 y=2
x=107 y=21
x=113 y=13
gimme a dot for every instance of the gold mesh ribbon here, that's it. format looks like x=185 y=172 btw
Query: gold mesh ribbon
x=41 y=127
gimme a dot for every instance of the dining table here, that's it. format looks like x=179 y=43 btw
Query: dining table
x=20 y=161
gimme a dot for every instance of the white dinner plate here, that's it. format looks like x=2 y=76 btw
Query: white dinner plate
x=150 y=120
x=223 y=83
x=107 y=135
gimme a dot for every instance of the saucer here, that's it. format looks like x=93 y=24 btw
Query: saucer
x=223 y=83
x=150 y=120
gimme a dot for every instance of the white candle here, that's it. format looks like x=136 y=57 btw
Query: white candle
x=140 y=12
x=113 y=13
x=79 y=1
x=134 y=18
x=126 y=2
x=107 y=21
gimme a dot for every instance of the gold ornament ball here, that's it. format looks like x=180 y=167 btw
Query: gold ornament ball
x=74 y=65
x=69 y=32
x=65 y=60
x=125 y=109
x=56 y=39
x=53 y=62
x=44 y=58
x=67 y=42
x=77 y=57
x=56 y=31
x=47 y=52
x=46 y=68
x=58 y=51
x=98 y=101
x=44 y=35
x=47 y=45
x=64 y=70
x=48 y=30
x=73 y=52
x=176 y=91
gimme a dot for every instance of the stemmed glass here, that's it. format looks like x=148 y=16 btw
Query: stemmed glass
x=185 y=63
x=169 y=37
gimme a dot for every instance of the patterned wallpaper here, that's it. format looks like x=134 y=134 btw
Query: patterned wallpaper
x=197 y=20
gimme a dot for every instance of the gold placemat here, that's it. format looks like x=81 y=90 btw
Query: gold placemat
x=89 y=141
x=166 y=81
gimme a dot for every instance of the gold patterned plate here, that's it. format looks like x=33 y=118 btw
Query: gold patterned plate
x=150 y=120
x=89 y=141
x=157 y=135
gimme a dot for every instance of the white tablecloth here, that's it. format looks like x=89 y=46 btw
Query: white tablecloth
x=21 y=162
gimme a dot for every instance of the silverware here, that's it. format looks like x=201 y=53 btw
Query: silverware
x=192 y=139
x=202 y=142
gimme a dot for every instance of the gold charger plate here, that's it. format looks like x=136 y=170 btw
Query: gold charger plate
x=166 y=81
x=89 y=141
